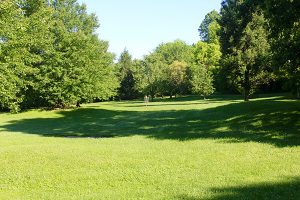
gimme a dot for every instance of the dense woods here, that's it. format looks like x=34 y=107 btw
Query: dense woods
x=51 y=56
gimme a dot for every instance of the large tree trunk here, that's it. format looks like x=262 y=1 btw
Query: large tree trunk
x=247 y=85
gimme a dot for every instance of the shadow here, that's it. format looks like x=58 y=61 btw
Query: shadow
x=150 y=104
x=197 y=97
x=184 y=101
x=270 y=121
x=288 y=190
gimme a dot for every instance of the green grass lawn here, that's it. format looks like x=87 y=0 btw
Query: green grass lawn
x=222 y=148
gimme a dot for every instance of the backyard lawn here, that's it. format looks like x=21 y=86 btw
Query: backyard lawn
x=187 y=148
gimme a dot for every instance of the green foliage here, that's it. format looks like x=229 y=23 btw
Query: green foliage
x=176 y=81
x=152 y=74
x=166 y=69
x=202 y=81
x=209 y=27
x=245 y=46
x=177 y=50
x=13 y=51
x=51 y=56
x=207 y=56
x=125 y=64
x=252 y=54
x=285 y=36
x=213 y=33
x=127 y=90
x=80 y=66
x=127 y=87
x=138 y=71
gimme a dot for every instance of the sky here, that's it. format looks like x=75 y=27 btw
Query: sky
x=141 y=25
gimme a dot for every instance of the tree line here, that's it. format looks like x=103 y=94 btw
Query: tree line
x=51 y=56
x=249 y=46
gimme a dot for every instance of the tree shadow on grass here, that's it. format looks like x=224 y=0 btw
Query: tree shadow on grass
x=167 y=104
x=267 y=121
x=287 y=190
x=197 y=97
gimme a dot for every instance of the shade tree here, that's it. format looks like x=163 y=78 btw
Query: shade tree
x=245 y=46
x=51 y=56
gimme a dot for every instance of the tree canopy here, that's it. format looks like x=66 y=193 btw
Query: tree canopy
x=50 y=55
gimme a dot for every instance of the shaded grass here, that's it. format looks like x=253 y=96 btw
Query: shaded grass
x=271 y=121
x=288 y=189
x=187 y=149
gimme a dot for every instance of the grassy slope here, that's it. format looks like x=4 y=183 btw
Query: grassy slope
x=187 y=149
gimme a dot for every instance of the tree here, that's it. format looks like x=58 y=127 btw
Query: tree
x=175 y=59
x=285 y=36
x=253 y=55
x=208 y=55
x=202 y=81
x=209 y=23
x=158 y=71
x=206 y=58
x=213 y=33
x=177 y=78
x=153 y=68
x=127 y=88
x=79 y=65
x=39 y=42
x=13 y=26
x=138 y=70
x=51 y=56
x=245 y=45
x=177 y=50
x=207 y=52
x=124 y=63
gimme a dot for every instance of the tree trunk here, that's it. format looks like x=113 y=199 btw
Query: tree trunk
x=152 y=94
x=298 y=90
x=247 y=85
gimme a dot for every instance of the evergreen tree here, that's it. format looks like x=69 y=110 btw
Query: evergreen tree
x=245 y=45
x=210 y=22
x=127 y=88
x=284 y=19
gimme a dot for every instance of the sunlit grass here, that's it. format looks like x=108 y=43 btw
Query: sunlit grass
x=220 y=148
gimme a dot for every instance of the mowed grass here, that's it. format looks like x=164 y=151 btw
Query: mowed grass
x=189 y=148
